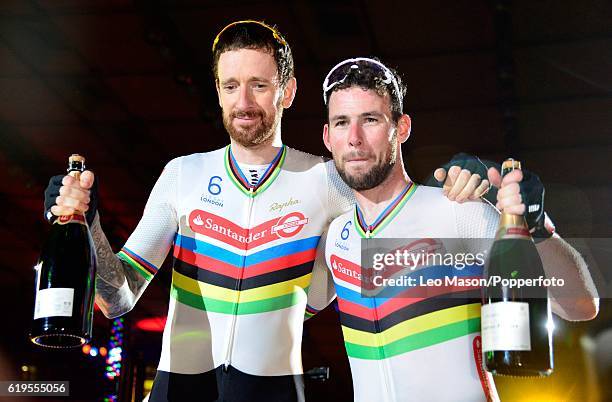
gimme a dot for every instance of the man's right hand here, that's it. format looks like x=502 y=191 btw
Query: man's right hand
x=461 y=184
x=66 y=196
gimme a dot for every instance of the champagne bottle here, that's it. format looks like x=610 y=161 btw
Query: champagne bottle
x=65 y=278
x=516 y=322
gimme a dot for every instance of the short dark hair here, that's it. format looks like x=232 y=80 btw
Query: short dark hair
x=252 y=34
x=368 y=76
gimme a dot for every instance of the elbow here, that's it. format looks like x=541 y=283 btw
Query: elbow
x=589 y=309
x=108 y=310
x=112 y=314
x=579 y=310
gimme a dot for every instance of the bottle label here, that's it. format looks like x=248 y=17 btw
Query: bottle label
x=64 y=219
x=54 y=302
x=505 y=326
x=512 y=232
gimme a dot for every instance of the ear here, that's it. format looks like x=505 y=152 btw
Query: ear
x=326 y=137
x=289 y=93
x=404 y=125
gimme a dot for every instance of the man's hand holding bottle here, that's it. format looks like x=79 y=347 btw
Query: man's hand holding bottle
x=65 y=195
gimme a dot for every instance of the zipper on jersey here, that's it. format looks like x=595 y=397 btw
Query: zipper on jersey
x=379 y=223
x=383 y=364
x=230 y=343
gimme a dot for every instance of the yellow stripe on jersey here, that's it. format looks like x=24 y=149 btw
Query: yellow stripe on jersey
x=412 y=326
x=224 y=294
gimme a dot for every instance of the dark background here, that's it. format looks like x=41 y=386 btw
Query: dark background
x=127 y=84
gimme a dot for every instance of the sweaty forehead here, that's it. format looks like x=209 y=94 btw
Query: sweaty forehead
x=356 y=100
x=246 y=63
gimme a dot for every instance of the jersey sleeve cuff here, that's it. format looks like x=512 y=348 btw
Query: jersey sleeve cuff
x=142 y=266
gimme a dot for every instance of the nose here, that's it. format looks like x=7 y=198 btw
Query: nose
x=245 y=98
x=355 y=135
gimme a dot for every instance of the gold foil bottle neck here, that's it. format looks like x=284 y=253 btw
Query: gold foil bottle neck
x=509 y=165
x=76 y=158
x=512 y=220
x=509 y=220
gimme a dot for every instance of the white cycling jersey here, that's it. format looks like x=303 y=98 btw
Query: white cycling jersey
x=243 y=257
x=415 y=346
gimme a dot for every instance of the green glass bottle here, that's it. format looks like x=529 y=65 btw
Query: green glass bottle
x=517 y=335
x=65 y=279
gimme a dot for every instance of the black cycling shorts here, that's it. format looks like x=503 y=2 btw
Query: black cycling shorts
x=226 y=385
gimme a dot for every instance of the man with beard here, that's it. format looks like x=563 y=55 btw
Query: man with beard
x=415 y=346
x=244 y=222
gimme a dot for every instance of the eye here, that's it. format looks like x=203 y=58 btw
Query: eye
x=340 y=123
x=370 y=120
x=229 y=87
x=260 y=85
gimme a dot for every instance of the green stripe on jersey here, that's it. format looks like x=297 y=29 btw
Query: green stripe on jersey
x=224 y=307
x=414 y=342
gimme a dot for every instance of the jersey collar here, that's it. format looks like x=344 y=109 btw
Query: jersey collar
x=241 y=182
x=385 y=216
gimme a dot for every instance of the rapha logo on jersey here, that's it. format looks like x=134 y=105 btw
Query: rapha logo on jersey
x=216 y=227
x=279 y=206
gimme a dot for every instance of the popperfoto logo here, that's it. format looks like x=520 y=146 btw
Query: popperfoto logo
x=219 y=228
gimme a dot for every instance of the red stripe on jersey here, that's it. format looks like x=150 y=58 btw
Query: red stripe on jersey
x=213 y=265
x=401 y=300
x=204 y=262
x=279 y=263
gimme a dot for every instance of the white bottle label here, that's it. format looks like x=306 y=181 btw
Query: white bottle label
x=505 y=326
x=54 y=302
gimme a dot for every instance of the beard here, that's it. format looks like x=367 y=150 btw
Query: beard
x=373 y=177
x=255 y=135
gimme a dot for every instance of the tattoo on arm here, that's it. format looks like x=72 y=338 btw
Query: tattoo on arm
x=113 y=295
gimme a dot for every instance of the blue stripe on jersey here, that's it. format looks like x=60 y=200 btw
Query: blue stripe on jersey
x=433 y=272
x=228 y=257
x=355 y=297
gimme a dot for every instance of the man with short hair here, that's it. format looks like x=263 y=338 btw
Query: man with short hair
x=411 y=345
x=244 y=222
